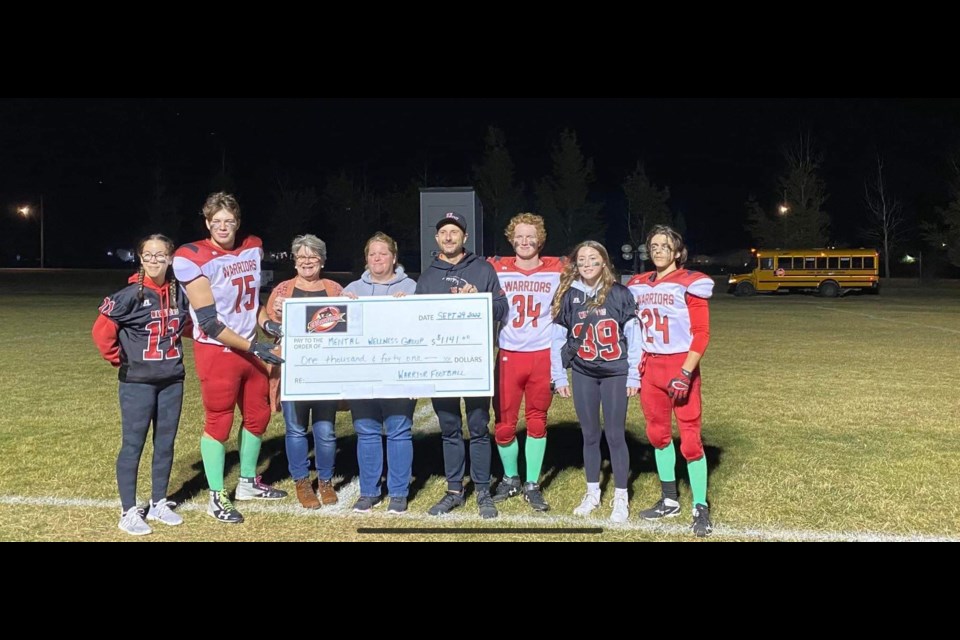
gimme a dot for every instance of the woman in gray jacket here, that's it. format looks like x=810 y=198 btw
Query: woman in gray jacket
x=383 y=277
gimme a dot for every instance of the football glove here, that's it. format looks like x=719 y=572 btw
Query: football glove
x=263 y=352
x=273 y=328
x=679 y=387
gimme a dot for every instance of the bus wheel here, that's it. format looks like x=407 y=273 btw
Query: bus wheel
x=744 y=289
x=828 y=289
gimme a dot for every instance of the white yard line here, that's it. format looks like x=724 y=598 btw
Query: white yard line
x=871 y=316
x=469 y=518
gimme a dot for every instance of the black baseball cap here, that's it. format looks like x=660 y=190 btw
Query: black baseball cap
x=452 y=217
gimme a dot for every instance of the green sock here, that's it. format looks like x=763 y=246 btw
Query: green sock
x=698 y=480
x=666 y=462
x=249 y=453
x=508 y=456
x=533 y=450
x=213 y=454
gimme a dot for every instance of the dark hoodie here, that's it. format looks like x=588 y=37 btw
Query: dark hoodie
x=443 y=277
x=143 y=338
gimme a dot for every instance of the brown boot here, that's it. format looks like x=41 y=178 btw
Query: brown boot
x=327 y=494
x=305 y=494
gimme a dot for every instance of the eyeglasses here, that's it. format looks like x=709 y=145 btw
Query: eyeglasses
x=154 y=257
x=306 y=259
x=227 y=224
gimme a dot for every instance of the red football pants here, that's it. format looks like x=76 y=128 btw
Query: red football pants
x=228 y=379
x=519 y=374
x=656 y=372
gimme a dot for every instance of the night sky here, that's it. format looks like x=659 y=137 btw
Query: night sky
x=94 y=160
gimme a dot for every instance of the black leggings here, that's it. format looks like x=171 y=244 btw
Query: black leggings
x=141 y=404
x=589 y=394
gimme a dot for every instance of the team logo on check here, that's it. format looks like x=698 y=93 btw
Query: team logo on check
x=327 y=319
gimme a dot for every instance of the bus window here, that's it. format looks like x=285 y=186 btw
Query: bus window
x=858 y=263
x=766 y=263
x=821 y=263
x=868 y=263
x=844 y=263
x=833 y=262
x=784 y=263
x=808 y=263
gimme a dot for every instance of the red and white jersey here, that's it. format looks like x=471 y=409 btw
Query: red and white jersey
x=664 y=308
x=234 y=279
x=528 y=324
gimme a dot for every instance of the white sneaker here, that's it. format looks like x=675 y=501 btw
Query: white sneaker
x=256 y=489
x=132 y=522
x=621 y=509
x=590 y=502
x=161 y=511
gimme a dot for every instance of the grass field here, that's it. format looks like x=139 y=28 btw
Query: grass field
x=823 y=420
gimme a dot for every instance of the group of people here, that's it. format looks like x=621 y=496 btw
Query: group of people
x=554 y=313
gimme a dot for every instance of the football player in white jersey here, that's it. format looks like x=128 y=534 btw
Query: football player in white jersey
x=221 y=276
x=523 y=362
x=672 y=306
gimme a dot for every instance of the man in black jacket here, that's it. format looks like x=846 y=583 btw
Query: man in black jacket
x=456 y=270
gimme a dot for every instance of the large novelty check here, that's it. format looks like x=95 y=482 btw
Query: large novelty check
x=385 y=347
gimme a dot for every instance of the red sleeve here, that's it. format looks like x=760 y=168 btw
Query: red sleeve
x=106 y=339
x=699 y=323
x=187 y=331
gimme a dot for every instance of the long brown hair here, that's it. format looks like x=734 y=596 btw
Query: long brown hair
x=608 y=277
x=171 y=279
x=676 y=241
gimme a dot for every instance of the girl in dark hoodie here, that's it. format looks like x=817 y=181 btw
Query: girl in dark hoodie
x=138 y=331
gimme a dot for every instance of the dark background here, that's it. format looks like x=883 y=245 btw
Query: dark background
x=94 y=160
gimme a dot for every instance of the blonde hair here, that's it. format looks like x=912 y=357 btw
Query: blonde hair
x=220 y=200
x=608 y=277
x=380 y=236
x=527 y=218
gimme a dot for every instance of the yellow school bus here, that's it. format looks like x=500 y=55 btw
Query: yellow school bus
x=829 y=272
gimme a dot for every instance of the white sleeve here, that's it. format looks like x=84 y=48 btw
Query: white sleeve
x=702 y=288
x=185 y=270
x=557 y=339
x=634 y=338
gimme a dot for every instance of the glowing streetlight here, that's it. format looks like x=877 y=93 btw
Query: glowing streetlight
x=783 y=209
x=25 y=212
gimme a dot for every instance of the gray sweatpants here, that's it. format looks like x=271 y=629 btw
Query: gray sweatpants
x=589 y=394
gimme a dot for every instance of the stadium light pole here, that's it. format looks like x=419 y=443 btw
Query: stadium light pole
x=25 y=212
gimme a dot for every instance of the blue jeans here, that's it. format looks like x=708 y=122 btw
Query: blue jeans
x=297 y=415
x=370 y=418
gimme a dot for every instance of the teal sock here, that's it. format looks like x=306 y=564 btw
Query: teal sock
x=213 y=454
x=533 y=451
x=249 y=454
x=666 y=462
x=698 y=480
x=509 y=455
